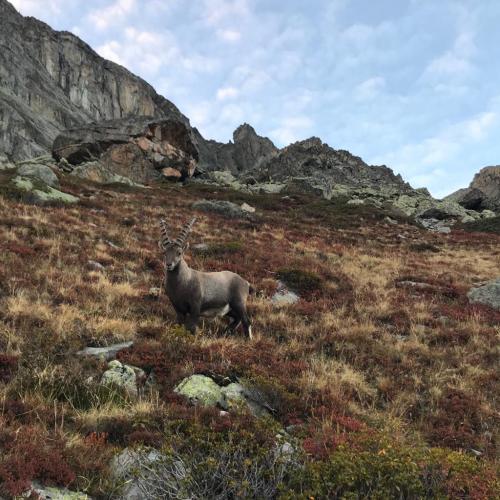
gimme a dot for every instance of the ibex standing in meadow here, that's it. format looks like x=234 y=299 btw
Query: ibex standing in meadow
x=195 y=294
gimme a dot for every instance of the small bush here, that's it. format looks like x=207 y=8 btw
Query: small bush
x=301 y=282
x=424 y=247
x=33 y=456
x=8 y=367
x=220 y=249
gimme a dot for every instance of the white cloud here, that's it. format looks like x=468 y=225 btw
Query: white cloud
x=455 y=62
x=38 y=7
x=228 y=35
x=114 y=13
x=421 y=159
x=111 y=51
x=292 y=129
x=227 y=93
x=217 y=12
x=369 y=89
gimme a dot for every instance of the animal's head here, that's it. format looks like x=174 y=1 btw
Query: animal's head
x=173 y=250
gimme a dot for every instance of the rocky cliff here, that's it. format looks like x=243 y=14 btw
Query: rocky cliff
x=483 y=192
x=50 y=81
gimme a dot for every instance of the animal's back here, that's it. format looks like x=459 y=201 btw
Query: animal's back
x=214 y=289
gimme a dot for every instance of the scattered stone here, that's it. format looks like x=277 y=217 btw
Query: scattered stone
x=52 y=493
x=111 y=244
x=124 y=376
x=356 y=202
x=487 y=294
x=130 y=468
x=202 y=390
x=171 y=174
x=200 y=247
x=247 y=208
x=284 y=296
x=389 y=220
x=225 y=208
x=40 y=172
x=108 y=353
x=97 y=266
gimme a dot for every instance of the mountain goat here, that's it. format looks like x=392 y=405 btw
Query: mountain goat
x=195 y=294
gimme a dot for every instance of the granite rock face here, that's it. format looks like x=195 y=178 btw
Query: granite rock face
x=51 y=81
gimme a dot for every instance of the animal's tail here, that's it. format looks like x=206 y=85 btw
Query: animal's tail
x=251 y=289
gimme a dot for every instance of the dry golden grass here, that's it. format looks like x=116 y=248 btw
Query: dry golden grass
x=399 y=358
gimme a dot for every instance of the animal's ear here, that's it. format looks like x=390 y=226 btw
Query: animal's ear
x=185 y=248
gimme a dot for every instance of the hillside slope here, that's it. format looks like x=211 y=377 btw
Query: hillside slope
x=381 y=379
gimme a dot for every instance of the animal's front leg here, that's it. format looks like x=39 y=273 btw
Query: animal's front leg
x=181 y=318
x=193 y=320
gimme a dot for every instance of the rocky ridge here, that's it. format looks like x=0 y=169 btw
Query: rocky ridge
x=102 y=123
x=483 y=192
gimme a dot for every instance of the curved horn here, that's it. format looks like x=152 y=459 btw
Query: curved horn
x=181 y=240
x=165 y=238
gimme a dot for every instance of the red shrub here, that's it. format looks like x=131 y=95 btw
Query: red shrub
x=8 y=367
x=32 y=456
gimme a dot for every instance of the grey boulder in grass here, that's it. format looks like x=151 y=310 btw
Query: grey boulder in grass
x=487 y=294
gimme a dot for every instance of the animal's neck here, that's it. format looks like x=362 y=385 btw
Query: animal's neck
x=181 y=273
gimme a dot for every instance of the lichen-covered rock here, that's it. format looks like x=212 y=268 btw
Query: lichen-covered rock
x=201 y=390
x=40 y=193
x=97 y=172
x=123 y=376
x=54 y=493
x=487 y=294
x=40 y=172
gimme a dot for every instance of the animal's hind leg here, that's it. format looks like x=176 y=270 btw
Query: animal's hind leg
x=241 y=311
x=235 y=321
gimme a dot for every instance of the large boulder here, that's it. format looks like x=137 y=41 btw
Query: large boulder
x=487 y=294
x=37 y=192
x=137 y=148
x=40 y=172
x=483 y=192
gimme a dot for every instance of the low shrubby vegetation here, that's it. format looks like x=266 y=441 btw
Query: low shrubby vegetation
x=381 y=382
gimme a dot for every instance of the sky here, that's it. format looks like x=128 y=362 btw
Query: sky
x=412 y=84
